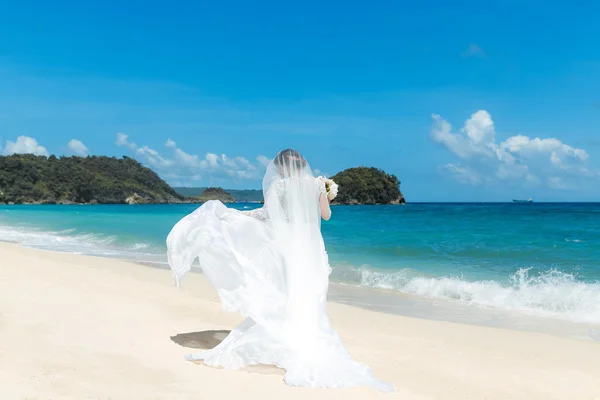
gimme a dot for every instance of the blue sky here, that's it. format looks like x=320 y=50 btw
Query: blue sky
x=478 y=101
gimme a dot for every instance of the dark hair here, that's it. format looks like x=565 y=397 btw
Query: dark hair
x=288 y=157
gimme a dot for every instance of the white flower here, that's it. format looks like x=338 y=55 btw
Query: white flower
x=331 y=187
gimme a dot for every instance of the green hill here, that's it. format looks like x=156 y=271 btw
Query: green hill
x=26 y=178
x=365 y=185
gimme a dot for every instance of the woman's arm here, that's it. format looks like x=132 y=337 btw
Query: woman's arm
x=323 y=200
x=325 y=209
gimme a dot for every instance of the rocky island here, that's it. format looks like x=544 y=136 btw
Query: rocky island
x=367 y=185
x=212 y=194
x=240 y=196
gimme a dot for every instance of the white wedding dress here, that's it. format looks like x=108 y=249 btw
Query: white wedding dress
x=271 y=266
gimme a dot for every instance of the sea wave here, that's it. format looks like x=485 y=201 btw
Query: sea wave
x=140 y=246
x=549 y=294
x=56 y=240
x=70 y=241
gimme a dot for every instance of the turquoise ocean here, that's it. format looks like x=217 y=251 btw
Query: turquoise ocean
x=536 y=260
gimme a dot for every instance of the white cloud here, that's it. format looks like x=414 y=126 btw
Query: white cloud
x=123 y=140
x=24 y=145
x=145 y=153
x=480 y=128
x=464 y=174
x=182 y=166
x=477 y=139
x=212 y=160
x=518 y=158
x=556 y=149
x=152 y=157
x=78 y=148
x=264 y=161
x=186 y=159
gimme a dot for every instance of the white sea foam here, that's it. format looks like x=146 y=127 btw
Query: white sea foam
x=140 y=246
x=551 y=294
x=69 y=241
x=56 y=240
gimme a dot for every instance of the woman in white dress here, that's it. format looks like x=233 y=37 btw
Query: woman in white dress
x=270 y=265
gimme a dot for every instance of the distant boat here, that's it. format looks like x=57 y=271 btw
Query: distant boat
x=529 y=200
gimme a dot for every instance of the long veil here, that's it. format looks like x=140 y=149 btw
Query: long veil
x=273 y=269
x=292 y=206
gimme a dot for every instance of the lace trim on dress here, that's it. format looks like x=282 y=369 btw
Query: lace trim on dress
x=322 y=188
x=258 y=213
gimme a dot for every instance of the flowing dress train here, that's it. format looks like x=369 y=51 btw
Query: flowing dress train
x=271 y=266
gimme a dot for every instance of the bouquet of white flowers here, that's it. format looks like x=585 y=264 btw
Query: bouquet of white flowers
x=331 y=187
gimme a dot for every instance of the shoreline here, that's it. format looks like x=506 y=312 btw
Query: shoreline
x=394 y=302
x=391 y=302
x=95 y=328
x=557 y=301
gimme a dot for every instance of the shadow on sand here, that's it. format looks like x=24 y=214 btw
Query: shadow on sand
x=206 y=340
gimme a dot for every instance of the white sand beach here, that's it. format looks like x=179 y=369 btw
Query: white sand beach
x=79 y=327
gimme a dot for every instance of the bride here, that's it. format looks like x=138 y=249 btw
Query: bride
x=271 y=266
